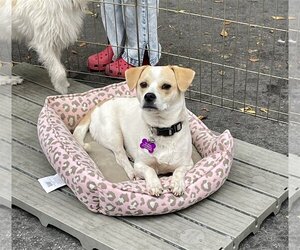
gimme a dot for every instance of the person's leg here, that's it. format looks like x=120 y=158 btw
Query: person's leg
x=141 y=31
x=112 y=19
x=153 y=46
x=140 y=22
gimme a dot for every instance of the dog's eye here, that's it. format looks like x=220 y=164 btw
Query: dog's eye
x=143 y=85
x=166 y=86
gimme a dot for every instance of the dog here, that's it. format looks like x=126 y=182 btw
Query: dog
x=48 y=27
x=152 y=128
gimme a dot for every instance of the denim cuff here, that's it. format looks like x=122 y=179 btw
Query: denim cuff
x=134 y=62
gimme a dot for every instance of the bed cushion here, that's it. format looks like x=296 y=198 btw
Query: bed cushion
x=102 y=185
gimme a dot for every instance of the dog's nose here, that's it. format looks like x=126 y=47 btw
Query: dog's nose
x=150 y=97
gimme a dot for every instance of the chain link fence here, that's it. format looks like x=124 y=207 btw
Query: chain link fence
x=238 y=48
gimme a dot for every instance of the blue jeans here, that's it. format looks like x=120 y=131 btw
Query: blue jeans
x=132 y=29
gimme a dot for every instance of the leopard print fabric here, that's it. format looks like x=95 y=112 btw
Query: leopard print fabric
x=59 y=117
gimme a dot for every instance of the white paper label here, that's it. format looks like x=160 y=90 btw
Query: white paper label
x=51 y=183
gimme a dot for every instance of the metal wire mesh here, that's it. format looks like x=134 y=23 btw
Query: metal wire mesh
x=238 y=48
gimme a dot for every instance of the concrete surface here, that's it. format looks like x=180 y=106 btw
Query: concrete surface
x=5 y=228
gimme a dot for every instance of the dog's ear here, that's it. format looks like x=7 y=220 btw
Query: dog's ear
x=132 y=76
x=184 y=77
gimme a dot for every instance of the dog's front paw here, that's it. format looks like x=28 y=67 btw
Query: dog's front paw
x=154 y=187
x=177 y=187
x=10 y=80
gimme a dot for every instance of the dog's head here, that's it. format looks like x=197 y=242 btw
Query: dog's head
x=159 y=87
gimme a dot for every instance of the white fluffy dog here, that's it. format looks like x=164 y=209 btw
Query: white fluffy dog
x=47 y=26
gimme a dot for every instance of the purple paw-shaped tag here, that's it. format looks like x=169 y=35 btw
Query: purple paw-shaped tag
x=150 y=146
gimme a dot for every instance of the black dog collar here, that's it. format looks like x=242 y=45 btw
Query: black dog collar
x=169 y=131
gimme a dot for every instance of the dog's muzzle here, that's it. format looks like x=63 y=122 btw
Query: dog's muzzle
x=149 y=100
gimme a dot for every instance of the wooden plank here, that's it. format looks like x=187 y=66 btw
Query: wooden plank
x=26 y=110
x=5 y=90
x=5 y=133
x=294 y=179
x=224 y=219
x=65 y=212
x=40 y=76
x=33 y=92
x=294 y=165
x=261 y=157
x=5 y=154
x=294 y=185
x=5 y=101
x=25 y=133
x=5 y=128
x=37 y=166
x=294 y=190
x=5 y=187
x=246 y=200
x=260 y=180
x=182 y=232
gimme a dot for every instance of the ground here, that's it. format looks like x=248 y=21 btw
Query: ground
x=185 y=39
x=5 y=227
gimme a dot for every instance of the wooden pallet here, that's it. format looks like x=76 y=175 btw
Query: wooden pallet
x=5 y=146
x=294 y=179
x=256 y=187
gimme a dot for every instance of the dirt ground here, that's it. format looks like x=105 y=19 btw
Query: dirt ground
x=262 y=51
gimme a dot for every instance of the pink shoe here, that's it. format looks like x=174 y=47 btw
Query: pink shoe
x=97 y=62
x=117 y=68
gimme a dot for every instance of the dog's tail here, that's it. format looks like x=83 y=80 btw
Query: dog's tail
x=81 y=130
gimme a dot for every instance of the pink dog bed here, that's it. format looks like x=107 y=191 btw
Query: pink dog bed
x=58 y=119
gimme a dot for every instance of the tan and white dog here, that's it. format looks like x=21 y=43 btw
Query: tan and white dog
x=153 y=128
x=47 y=26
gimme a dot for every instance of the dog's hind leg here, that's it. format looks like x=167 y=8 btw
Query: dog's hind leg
x=122 y=160
x=6 y=66
x=50 y=57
